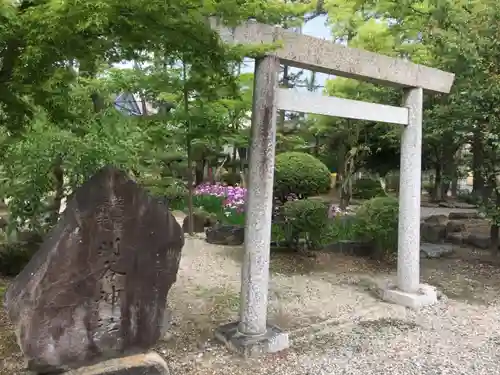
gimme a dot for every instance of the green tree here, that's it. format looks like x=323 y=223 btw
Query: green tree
x=57 y=85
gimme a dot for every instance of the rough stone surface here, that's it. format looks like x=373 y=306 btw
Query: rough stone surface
x=436 y=219
x=307 y=52
x=464 y=215
x=461 y=205
x=97 y=287
x=141 y=364
x=433 y=233
x=481 y=241
x=272 y=341
x=225 y=235
x=454 y=226
x=199 y=222
x=455 y=238
x=255 y=267
x=432 y=251
x=410 y=193
x=424 y=296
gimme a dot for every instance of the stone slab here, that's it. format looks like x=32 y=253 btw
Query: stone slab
x=274 y=340
x=464 y=215
x=140 y=364
x=434 y=251
x=306 y=102
x=97 y=287
x=426 y=295
x=307 y=52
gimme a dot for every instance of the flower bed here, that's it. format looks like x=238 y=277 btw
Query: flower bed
x=227 y=202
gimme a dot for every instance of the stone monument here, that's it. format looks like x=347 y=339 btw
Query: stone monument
x=96 y=289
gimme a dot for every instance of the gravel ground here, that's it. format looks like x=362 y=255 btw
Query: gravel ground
x=336 y=322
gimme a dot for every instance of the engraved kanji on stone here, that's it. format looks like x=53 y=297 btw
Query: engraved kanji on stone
x=97 y=287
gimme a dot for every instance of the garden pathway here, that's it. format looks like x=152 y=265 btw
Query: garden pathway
x=337 y=323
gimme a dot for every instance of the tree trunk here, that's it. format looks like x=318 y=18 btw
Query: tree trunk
x=340 y=165
x=494 y=239
x=200 y=172
x=445 y=187
x=454 y=186
x=190 y=187
x=58 y=174
x=316 y=145
x=437 y=190
x=189 y=153
x=477 y=162
x=233 y=160
x=345 y=197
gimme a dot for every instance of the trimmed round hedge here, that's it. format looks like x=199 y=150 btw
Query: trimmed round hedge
x=367 y=188
x=301 y=174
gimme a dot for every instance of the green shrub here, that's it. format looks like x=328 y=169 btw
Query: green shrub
x=377 y=221
x=171 y=190
x=469 y=197
x=392 y=181
x=304 y=219
x=301 y=174
x=278 y=233
x=231 y=178
x=209 y=203
x=428 y=188
x=233 y=216
x=176 y=196
x=367 y=188
x=340 y=228
x=14 y=257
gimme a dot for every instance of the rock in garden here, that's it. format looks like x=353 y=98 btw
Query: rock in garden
x=455 y=238
x=140 y=364
x=431 y=232
x=432 y=251
x=436 y=219
x=464 y=215
x=97 y=286
x=454 y=226
x=199 y=221
x=225 y=235
x=480 y=241
x=447 y=204
x=465 y=205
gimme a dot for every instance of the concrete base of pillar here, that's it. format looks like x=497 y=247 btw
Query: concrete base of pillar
x=274 y=340
x=426 y=295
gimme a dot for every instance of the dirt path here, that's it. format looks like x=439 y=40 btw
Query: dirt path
x=336 y=322
x=329 y=307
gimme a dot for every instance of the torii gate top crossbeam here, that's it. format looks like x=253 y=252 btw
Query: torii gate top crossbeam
x=324 y=56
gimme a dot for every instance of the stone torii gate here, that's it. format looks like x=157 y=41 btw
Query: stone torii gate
x=252 y=334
